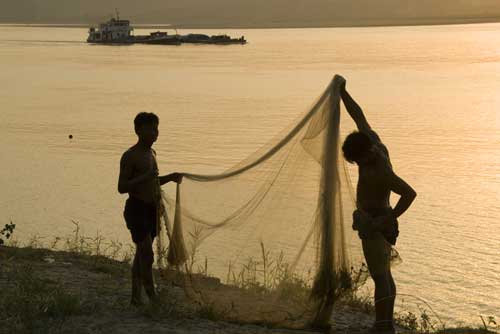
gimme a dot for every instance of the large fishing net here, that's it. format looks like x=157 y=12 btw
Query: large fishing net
x=274 y=232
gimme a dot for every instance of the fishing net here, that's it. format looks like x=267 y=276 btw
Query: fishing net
x=274 y=232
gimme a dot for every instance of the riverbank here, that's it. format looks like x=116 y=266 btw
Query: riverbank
x=74 y=293
x=48 y=291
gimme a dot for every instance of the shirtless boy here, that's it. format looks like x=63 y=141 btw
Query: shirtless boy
x=139 y=178
x=374 y=218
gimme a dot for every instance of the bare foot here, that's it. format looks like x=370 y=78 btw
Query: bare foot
x=323 y=328
x=136 y=302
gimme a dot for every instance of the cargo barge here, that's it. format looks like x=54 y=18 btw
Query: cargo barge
x=120 y=32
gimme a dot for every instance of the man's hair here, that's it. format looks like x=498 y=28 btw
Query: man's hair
x=145 y=118
x=355 y=145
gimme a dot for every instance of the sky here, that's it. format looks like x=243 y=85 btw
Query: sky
x=251 y=12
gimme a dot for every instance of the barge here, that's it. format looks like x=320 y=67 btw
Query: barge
x=120 y=32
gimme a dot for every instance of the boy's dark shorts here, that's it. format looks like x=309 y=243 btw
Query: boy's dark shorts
x=140 y=218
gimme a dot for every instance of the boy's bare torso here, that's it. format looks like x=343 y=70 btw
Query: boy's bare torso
x=141 y=162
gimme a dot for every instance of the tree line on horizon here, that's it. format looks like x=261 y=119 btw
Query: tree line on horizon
x=250 y=13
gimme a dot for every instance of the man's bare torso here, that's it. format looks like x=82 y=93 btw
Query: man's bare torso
x=373 y=189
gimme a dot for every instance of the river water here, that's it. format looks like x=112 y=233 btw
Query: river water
x=431 y=92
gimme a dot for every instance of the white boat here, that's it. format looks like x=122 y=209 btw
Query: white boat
x=117 y=31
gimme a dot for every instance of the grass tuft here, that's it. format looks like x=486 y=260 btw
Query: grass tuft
x=28 y=301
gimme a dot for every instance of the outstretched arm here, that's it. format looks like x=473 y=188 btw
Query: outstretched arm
x=176 y=177
x=354 y=110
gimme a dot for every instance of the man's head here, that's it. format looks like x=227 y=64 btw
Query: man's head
x=146 y=127
x=358 y=148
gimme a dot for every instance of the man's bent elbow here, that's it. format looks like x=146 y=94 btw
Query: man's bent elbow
x=412 y=194
x=122 y=189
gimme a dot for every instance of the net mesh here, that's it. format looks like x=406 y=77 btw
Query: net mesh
x=275 y=228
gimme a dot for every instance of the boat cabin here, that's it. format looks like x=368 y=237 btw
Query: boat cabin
x=115 y=30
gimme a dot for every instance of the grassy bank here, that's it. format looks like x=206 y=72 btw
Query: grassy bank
x=80 y=284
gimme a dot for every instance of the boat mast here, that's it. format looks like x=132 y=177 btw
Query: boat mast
x=117 y=14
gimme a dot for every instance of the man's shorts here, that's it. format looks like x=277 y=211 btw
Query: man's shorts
x=377 y=247
x=140 y=218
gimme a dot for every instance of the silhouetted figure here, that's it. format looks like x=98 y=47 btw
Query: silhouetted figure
x=139 y=178
x=374 y=219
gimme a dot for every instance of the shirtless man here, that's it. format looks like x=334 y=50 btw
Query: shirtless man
x=374 y=219
x=139 y=178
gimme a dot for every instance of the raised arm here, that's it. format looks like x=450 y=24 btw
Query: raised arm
x=354 y=110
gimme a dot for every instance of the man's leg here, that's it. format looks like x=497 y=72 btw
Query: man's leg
x=145 y=248
x=392 y=299
x=136 y=279
x=377 y=255
x=384 y=301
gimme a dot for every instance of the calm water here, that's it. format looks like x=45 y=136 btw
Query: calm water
x=431 y=92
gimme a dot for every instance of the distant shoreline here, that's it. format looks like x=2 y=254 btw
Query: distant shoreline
x=275 y=25
x=79 y=25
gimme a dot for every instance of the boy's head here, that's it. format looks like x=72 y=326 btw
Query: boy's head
x=358 y=148
x=146 y=126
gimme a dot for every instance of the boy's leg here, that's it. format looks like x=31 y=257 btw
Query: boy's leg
x=145 y=248
x=136 y=280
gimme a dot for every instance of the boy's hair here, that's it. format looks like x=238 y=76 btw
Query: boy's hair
x=355 y=145
x=145 y=118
